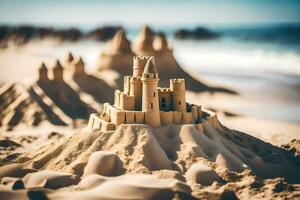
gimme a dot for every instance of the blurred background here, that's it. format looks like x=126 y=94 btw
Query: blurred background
x=249 y=46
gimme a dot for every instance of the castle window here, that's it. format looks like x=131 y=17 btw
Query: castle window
x=154 y=94
x=163 y=104
x=179 y=103
x=151 y=106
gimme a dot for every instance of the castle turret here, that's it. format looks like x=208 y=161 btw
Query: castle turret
x=177 y=87
x=139 y=63
x=160 y=42
x=69 y=57
x=58 y=72
x=144 y=42
x=43 y=73
x=150 y=104
x=78 y=67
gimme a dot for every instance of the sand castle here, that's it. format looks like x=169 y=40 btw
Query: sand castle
x=143 y=102
x=118 y=57
x=73 y=66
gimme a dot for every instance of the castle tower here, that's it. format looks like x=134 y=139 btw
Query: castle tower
x=150 y=104
x=120 y=43
x=160 y=42
x=177 y=87
x=43 y=73
x=139 y=63
x=78 y=66
x=69 y=58
x=58 y=72
x=144 y=42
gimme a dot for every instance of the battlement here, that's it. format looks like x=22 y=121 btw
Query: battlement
x=135 y=78
x=177 y=84
x=162 y=90
x=139 y=58
x=139 y=63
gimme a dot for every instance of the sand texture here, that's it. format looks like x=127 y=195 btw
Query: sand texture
x=140 y=162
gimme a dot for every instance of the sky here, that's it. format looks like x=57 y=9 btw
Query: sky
x=154 y=12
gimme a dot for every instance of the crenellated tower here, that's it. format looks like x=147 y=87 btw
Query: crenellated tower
x=150 y=104
x=177 y=87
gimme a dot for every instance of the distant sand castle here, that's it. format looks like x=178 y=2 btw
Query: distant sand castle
x=143 y=102
x=119 y=54
x=118 y=57
x=75 y=67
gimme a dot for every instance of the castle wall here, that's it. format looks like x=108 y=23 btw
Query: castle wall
x=194 y=109
x=177 y=117
x=166 y=117
x=116 y=116
x=126 y=102
x=187 y=118
x=177 y=87
x=129 y=117
x=165 y=99
x=136 y=91
x=95 y=122
x=139 y=117
x=199 y=112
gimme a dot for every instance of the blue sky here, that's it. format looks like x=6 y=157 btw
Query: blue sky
x=134 y=12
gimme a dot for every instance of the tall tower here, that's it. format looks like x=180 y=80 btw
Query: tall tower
x=139 y=63
x=43 y=72
x=78 y=66
x=150 y=104
x=58 y=72
x=178 y=93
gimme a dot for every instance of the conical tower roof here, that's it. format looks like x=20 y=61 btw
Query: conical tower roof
x=160 y=42
x=120 y=43
x=43 y=66
x=144 y=41
x=69 y=57
x=58 y=65
x=79 y=61
x=150 y=66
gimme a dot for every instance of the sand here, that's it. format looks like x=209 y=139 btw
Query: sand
x=137 y=161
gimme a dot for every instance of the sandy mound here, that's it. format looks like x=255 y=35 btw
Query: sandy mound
x=209 y=158
x=202 y=174
x=174 y=147
x=49 y=179
x=113 y=165
x=134 y=186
